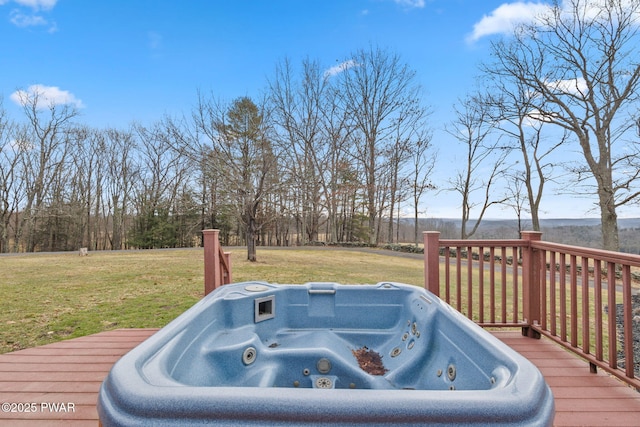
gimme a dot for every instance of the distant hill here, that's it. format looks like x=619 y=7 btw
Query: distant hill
x=547 y=222
x=570 y=231
x=578 y=222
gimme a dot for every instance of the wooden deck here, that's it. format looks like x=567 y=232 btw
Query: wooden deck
x=70 y=373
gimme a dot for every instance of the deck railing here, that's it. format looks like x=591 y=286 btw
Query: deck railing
x=579 y=297
x=217 y=263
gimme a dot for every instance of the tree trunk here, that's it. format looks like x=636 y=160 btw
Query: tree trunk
x=416 y=226
x=608 y=220
x=251 y=239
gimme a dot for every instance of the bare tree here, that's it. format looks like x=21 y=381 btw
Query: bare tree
x=297 y=113
x=46 y=143
x=377 y=89
x=340 y=174
x=514 y=113
x=243 y=156
x=11 y=186
x=121 y=174
x=484 y=161
x=85 y=186
x=515 y=199
x=580 y=60
x=409 y=126
x=423 y=161
x=162 y=173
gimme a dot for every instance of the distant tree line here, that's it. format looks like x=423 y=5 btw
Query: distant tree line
x=342 y=154
x=330 y=156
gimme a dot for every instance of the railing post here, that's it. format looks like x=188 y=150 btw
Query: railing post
x=531 y=264
x=211 y=260
x=432 y=261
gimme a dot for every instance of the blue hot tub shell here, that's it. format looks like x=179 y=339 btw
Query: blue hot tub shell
x=255 y=353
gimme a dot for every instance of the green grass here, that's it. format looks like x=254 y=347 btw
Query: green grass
x=50 y=297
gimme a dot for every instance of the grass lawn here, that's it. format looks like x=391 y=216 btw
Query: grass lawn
x=50 y=297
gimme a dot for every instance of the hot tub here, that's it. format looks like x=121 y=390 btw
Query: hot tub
x=256 y=353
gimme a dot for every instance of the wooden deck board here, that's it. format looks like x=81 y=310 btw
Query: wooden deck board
x=582 y=398
x=68 y=372
x=72 y=371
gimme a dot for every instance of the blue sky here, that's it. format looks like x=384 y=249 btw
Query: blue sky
x=134 y=59
x=125 y=60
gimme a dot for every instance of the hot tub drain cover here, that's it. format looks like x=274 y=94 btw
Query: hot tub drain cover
x=324 y=382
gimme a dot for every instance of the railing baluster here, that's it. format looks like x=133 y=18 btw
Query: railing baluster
x=515 y=273
x=481 y=284
x=574 y=300
x=613 y=333
x=447 y=274
x=503 y=280
x=492 y=284
x=597 y=288
x=627 y=321
x=469 y=282
x=459 y=279
x=585 y=305
x=543 y=289
x=563 y=297
x=553 y=293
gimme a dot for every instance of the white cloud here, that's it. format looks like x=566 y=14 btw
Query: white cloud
x=22 y=18
x=536 y=117
x=570 y=86
x=34 y=4
x=410 y=3
x=45 y=97
x=21 y=145
x=594 y=8
x=337 y=69
x=506 y=17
